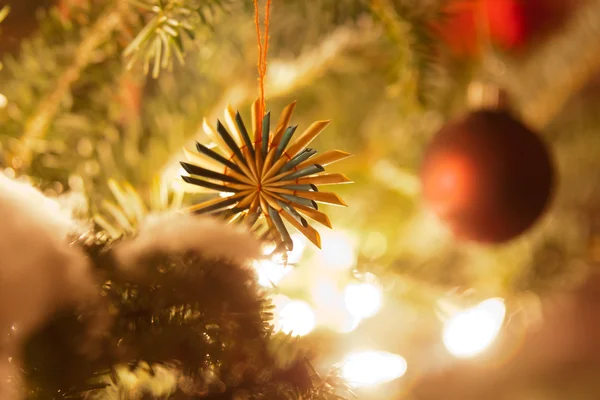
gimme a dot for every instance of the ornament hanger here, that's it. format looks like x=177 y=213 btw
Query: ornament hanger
x=265 y=172
x=263 y=48
x=485 y=92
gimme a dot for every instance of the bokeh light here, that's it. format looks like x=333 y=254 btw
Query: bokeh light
x=296 y=254
x=3 y=101
x=338 y=251
x=324 y=291
x=336 y=317
x=346 y=323
x=330 y=309
x=470 y=332
x=296 y=318
x=270 y=273
x=363 y=300
x=279 y=301
x=371 y=368
x=374 y=245
x=268 y=248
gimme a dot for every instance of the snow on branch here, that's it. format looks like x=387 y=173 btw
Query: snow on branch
x=180 y=234
x=39 y=272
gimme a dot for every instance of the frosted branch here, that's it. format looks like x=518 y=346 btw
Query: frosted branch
x=37 y=125
x=39 y=273
x=181 y=234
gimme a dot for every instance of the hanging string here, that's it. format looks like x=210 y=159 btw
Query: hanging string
x=263 y=47
x=486 y=91
x=484 y=36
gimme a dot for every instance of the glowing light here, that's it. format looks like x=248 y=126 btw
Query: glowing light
x=338 y=253
x=3 y=101
x=270 y=273
x=268 y=248
x=297 y=318
x=177 y=185
x=363 y=300
x=295 y=255
x=324 y=291
x=371 y=368
x=335 y=316
x=174 y=173
x=279 y=301
x=347 y=323
x=470 y=332
x=375 y=245
x=282 y=75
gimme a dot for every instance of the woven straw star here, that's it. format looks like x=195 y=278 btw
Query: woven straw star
x=273 y=175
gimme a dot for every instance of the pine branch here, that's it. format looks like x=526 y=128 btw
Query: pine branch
x=558 y=69
x=199 y=317
x=162 y=38
x=286 y=76
x=37 y=125
x=3 y=14
x=409 y=25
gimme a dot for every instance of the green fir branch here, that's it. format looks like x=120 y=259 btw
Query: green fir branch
x=184 y=324
x=38 y=123
x=3 y=14
x=162 y=38
x=409 y=24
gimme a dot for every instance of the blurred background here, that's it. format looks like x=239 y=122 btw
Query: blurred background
x=402 y=306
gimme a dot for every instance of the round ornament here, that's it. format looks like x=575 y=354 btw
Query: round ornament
x=506 y=24
x=487 y=176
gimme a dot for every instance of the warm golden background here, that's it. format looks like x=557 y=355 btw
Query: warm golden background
x=389 y=77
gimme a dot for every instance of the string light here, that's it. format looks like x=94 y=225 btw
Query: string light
x=470 y=332
x=270 y=273
x=346 y=322
x=268 y=248
x=338 y=251
x=371 y=368
x=296 y=318
x=363 y=300
x=296 y=254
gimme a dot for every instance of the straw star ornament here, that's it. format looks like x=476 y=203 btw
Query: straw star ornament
x=274 y=175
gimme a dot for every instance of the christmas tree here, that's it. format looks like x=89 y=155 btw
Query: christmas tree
x=166 y=235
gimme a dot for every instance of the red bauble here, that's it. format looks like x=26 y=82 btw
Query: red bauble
x=507 y=24
x=487 y=176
